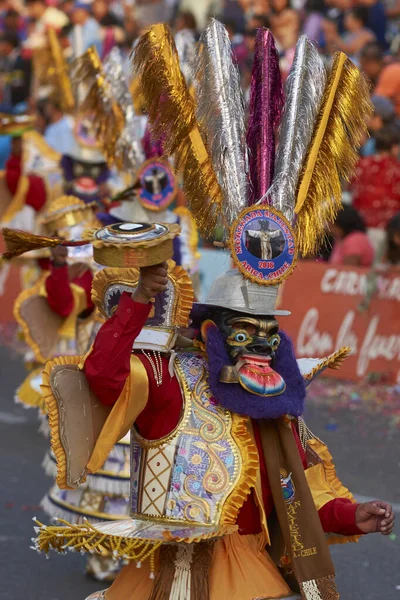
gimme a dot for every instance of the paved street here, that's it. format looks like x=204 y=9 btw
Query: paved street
x=365 y=448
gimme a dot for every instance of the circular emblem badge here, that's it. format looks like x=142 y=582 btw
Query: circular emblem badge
x=263 y=245
x=157 y=185
x=84 y=133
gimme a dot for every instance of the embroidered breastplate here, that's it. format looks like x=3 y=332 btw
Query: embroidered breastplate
x=191 y=476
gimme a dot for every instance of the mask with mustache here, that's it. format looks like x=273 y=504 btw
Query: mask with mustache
x=253 y=368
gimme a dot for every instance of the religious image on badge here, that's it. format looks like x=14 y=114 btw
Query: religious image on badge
x=263 y=245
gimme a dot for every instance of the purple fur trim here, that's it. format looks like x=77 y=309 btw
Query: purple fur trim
x=266 y=104
x=236 y=399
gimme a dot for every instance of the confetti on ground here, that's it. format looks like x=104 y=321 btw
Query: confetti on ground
x=374 y=398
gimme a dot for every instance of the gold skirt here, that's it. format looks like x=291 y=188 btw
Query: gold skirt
x=240 y=569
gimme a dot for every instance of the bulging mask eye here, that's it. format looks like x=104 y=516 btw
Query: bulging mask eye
x=274 y=341
x=241 y=337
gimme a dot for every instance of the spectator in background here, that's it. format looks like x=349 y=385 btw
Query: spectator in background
x=102 y=14
x=392 y=256
x=67 y=6
x=232 y=12
x=12 y=22
x=185 y=21
x=43 y=16
x=86 y=31
x=384 y=114
x=111 y=28
x=335 y=12
x=16 y=75
x=356 y=34
x=376 y=19
x=313 y=21
x=351 y=244
x=376 y=186
x=58 y=131
x=239 y=48
x=285 y=24
x=384 y=78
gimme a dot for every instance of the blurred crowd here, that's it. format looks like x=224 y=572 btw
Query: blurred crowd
x=367 y=30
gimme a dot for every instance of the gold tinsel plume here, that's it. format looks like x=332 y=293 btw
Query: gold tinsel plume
x=172 y=116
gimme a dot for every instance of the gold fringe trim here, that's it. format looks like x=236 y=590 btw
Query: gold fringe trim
x=172 y=116
x=248 y=474
x=99 y=103
x=332 y=155
x=21 y=299
x=26 y=395
x=86 y=538
x=53 y=416
x=336 y=486
x=334 y=361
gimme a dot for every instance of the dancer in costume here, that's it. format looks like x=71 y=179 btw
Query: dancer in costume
x=58 y=317
x=23 y=192
x=231 y=494
x=56 y=313
x=155 y=186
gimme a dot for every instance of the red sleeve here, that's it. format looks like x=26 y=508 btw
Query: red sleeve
x=59 y=293
x=108 y=365
x=13 y=173
x=36 y=196
x=338 y=515
x=85 y=282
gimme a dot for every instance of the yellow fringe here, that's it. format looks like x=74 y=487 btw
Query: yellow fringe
x=53 y=415
x=334 y=361
x=332 y=155
x=171 y=110
x=86 y=538
x=21 y=298
x=248 y=475
x=28 y=396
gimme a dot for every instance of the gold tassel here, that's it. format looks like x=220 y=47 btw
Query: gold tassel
x=332 y=155
x=171 y=110
x=18 y=242
x=62 y=82
x=99 y=103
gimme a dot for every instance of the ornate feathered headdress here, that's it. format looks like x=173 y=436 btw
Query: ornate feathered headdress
x=273 y=207
x=97 y=99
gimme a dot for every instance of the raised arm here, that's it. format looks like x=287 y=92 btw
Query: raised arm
x=108 y=365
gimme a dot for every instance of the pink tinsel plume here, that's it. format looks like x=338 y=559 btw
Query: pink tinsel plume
x=266 y=105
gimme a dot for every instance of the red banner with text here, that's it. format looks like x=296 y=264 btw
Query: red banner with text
x=325 y=304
